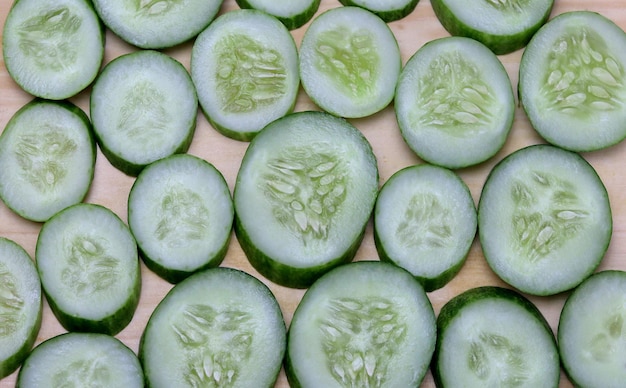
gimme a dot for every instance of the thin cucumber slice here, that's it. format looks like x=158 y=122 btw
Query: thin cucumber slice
x=157 y=24
x=363 y=324
x=143 y=108
x=181 y=214
x=388 y=10
x=303 y=196
x=349 y=62
x=218 y=328
x=425 y=222
x=494 y=337
x=81 y=359
x=454 y=102
x=572 y=81
x=293 y=14
x=245 y=68
x=591 y=331
x=544 y=219
x=503 y=26
x=47 y=159
x=53 y=49
x=89 y=268
x=20 y=306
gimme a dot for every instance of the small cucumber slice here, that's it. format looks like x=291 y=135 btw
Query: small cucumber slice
x=53 y=49
x=425 y=222
x=303 y=196
x=502 y=25
x=591 y=331
x=454 y=102
x=89 y=268
x=349 y=62
x=245 y=68
x=143 y=108
x=157 y=24
x=388 y=10
x=363 y=324
x=81 y=359
x=181 y=214
x=47 y=159
x=218 y=328
x=293 y=14
x=20 y=306
x=572 y=81
x=544 y=219
x=494 y=337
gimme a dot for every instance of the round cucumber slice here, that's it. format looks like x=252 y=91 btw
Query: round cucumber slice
x=245 y=68
x=349 y=62
x=53 y=49
x=494 y=337
x=143 y=108
x=218 y=328
x=503 y=26
x=388 y=10
x=181 y=214
x=89 y=268
x=425 y=222
x=47 y=159
x=293 y=14
x=572 y=81
x=303 y=196
x=454 y=102
x=20 y=306
x=363 y=324
x=544 y=219
x=591 y=331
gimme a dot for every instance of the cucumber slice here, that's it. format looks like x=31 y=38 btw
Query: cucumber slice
x=157 y=24
x=363 y=324
x=81 y=359
x=454 y=102
x=47 y=159
x=143 y=108
x=544 y=219
x=53 y=49
x=303 y=196
x=89 y=268
x=181 y=214
x=349 y=62
x=494 y=337
x=245 y=67
x=425 y=222
x=388 y=10
x=503 y=26
x=572 y=81
x=591 y=331
x=20 y=306
x=218 y=328
x=293 y=14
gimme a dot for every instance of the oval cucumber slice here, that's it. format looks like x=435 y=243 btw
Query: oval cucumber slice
x=544 y=219
x=388 y=10
x=454 y=102
x=303 y=196
x=572 y=81
x=363 y=324
x=293 y=14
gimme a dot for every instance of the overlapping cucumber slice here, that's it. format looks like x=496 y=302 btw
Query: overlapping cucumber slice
x=293 y=14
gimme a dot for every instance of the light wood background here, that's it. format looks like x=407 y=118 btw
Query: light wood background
x=110 y=187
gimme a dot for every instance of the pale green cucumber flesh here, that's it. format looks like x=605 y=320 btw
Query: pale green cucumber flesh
x=388 y=10
x=293 y=14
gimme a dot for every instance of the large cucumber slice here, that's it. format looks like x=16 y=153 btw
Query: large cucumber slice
x=544 y=219
x=304 y=193
x=454 y=102
x=572 y=81
x=388 y=10
x=494 y=337
x=47 y=159
x=218 y=328
x=293 y=14
x=53 y=49
x=363 y=324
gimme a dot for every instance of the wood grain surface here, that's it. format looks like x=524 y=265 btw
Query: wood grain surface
x=110 y=187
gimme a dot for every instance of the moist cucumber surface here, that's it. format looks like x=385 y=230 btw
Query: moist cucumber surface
x=303 y=196
x=544 y=219
x=571 y=81
x=293 y=14
x=388 y=10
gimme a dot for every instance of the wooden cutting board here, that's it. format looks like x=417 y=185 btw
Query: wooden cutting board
x=110 y=187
